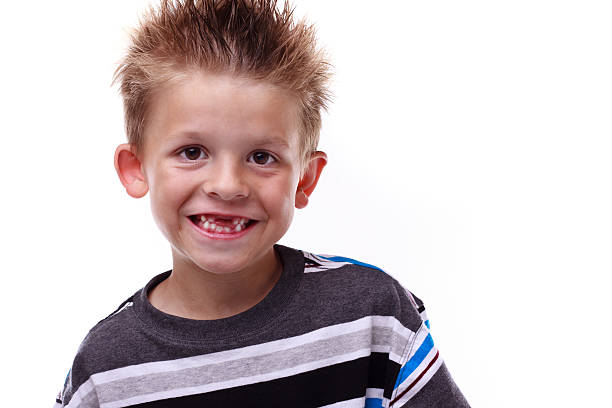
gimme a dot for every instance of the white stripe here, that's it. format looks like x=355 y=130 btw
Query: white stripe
x=244 y=368
x=360 y=402
x=374 y=393
x=377 y=393
x=417 y=371
x=276 y=346
x=406 y=336
x=423 y=315
x=377 y=348
x=411 y=338
x=417 y=387
x=422 y=334
x=81 y=393
x=393 y=323
x=238 y=381
x=128 y=304
x=325 y=264
x=314 y=269
x=380 y=348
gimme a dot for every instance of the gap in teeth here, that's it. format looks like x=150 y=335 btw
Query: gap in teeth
x=208 y=223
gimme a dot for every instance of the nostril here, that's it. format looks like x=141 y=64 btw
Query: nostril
x=226 y=191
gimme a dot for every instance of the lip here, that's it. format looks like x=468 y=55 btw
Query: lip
x=226 y=236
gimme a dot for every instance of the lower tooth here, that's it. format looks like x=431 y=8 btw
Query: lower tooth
x=211 y=226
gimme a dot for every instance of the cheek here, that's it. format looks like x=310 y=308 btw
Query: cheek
x=277 y=196
x=167 y=194
x=285 y=201
x=287 y=210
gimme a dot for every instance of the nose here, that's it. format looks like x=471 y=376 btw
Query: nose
x=225 y=180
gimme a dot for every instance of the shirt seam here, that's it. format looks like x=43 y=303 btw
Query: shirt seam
x=404 y=360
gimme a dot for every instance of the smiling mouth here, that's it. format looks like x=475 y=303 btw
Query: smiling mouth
x=221 y=224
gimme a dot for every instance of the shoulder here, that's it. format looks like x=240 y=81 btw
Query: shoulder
x=98 y=351
x=102 y=341
x=355 y=273
x=359 y=272
x=366 y=284
x=400 y=328
x=112 y=324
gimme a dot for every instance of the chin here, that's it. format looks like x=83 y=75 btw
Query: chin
x=221 y=266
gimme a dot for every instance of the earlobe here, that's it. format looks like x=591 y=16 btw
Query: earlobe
x=129 y=170
x=309 y=180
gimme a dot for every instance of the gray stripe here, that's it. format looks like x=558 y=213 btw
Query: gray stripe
x=384 y=336
x=247 y=367
x=307 y=302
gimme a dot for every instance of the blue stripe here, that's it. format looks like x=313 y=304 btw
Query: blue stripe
x=427 y=324
x=349 y=260
x=373 y=403
x=415 y=361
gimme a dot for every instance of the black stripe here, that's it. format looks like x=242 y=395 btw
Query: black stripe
x=392 y=370
x=126 y=301
x=327 y=385
x=419 y=303
x=310 y=262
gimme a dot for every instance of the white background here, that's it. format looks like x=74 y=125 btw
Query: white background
x=469 y=148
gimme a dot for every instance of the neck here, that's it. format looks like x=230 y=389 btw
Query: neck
x=193 y=293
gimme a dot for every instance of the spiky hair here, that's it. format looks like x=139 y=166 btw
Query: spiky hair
x=252 y=38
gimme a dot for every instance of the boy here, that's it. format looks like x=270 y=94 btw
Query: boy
x=222 y=106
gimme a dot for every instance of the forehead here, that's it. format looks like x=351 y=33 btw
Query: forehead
x=206 y=104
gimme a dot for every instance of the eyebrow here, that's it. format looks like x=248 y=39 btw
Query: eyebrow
x=258 y=141
x=272 y=141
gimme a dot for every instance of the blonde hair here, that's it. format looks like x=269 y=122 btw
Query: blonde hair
x=251 y=38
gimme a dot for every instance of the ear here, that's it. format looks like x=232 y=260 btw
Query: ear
x=309 y=180
x=129 y=170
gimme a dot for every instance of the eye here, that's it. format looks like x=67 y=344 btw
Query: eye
x=262 y=158
x=192 y=153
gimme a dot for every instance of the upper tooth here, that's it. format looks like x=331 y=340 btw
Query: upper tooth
x=210 y=220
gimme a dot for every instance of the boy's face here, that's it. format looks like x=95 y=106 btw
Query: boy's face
x=221 y=162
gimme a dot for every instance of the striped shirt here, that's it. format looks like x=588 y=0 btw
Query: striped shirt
x=333 y=332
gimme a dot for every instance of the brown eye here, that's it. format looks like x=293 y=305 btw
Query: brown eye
x=262 y=158
x=192 y=153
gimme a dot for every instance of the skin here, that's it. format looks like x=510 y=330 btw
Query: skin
x=216 y=143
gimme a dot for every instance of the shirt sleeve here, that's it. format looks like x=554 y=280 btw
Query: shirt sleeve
x=423 y=380
x=75 y=393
